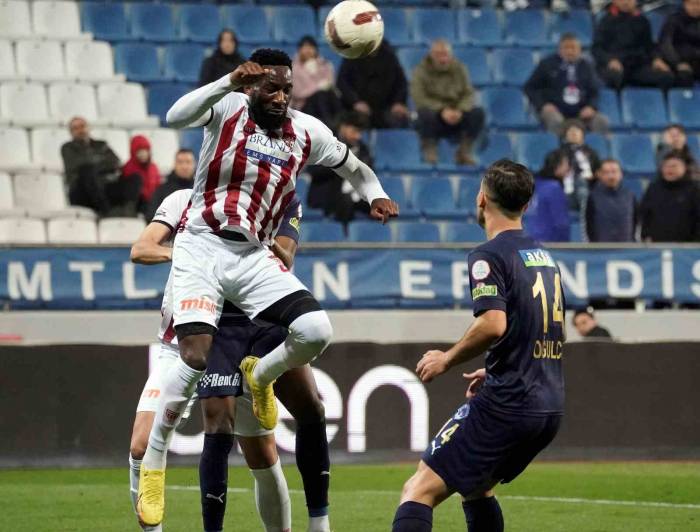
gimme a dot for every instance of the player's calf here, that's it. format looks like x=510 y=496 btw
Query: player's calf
x=483 y=514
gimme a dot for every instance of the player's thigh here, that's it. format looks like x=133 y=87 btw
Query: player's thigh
x=297 y=391
x=260 y=452
x=143 y=421
x=425 y=487
x=219 y=414
x=247 y=425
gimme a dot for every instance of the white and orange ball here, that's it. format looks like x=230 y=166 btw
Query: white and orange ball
x=354 y=28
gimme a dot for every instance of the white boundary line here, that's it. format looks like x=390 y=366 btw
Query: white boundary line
x=565 y=500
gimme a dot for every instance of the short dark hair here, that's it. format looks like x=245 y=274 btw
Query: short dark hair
x=510 y=185
x=271 y=57
x=307 y=39
x=612 y=161
x=675 y=154
x=184 y=150
x=568 y=36
x=675 y=126
x=588 y=311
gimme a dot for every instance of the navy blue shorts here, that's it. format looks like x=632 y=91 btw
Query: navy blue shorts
x=479 y=447
x=232 y=343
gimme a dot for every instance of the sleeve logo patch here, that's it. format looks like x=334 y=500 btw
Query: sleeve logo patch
x=537 y=257
x=294 y=222
x=480 y=270
x=484 y=290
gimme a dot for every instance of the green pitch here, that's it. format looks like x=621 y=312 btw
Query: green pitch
x=580 y=497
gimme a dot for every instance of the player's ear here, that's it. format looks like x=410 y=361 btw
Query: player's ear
x=481 y=199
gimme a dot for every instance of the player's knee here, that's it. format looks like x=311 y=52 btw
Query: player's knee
x=194 y=351
x=217 y=418
x=407 y=490
x=137 y=449
x=312 y=412
x=313 y=330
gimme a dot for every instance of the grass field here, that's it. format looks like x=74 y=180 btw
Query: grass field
x=578 y=497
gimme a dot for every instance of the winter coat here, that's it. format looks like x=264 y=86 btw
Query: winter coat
x=435 y=88
x=150 y=176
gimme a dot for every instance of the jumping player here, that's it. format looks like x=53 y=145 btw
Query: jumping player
x=253 y=150
x=236 y=337
x=516 y=403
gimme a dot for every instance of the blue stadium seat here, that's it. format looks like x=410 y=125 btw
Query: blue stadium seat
x=183 y=61
x=291 y=23
x=152 y=22
x=610 y=107
x=199 y=23
x=396 y=27
x=684 y=107
x=636 y=186
x=512 y=66
x=323 y=232
x=191 y=139
x=480 y=27
x=433 y=23
x=635 y=152
x=434 y=198
x=410 y=56
x=532 y=148
x=497 y=146
x=327 y=53
x=694 y=146
x=161 y=96
x=505 y=107
x=599 y=143
x=644 y=108
x=302 y=192
x=576 y=21
x=139 y=62
x=464 y=232
x=396 y=190
x=398 y=149
x=369 y=232
x=526 y=27
x=466 y=196
x=249 y=22
x=477 y=64
x=417 y=232
x=106 y=21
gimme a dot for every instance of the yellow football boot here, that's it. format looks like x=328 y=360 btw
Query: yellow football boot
x=264 y=402
x=150 y=504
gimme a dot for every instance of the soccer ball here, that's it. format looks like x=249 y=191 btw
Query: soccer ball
x=354 y=28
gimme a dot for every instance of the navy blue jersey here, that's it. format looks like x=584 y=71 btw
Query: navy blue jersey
x=515 y=274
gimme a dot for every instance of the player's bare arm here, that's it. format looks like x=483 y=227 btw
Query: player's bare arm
x=285 y=249
x=486 y=329
x=149 y=248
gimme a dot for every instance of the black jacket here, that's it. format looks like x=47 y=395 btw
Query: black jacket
x=611 y=214
x=670 y=211
x=217 y=65
x=94 y=153
x=378 y=80
x=625 y=37
x=680 y=38
x=550 y=78
x=172 y=184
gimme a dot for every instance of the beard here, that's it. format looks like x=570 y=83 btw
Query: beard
x=264 y=119
x=480 y=218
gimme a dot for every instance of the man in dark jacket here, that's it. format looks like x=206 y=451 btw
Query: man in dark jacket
x=670 y=209
x=564 y=85
x=611 y=213
x=181 y=177
x=680 y=42
x=624 y=50
x=376 y=87
x=587 y=326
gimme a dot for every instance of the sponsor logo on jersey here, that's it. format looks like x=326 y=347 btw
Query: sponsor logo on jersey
x=202 y=303
x=480 y=270
x=215 y=380
x=483 y=290
x=537 y=257
x=273 y=151
x=294 y=222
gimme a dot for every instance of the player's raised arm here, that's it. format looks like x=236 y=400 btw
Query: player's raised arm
x=194 y=108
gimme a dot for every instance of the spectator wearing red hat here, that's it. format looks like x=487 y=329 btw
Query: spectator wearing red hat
x=141 y=165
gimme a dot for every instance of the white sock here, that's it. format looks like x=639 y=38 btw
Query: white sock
x=272 y=498
x=134 y=472
x=319 y=524
x=309 y=335
x=179 y=383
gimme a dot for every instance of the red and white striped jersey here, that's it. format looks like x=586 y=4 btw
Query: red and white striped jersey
x=246 y=176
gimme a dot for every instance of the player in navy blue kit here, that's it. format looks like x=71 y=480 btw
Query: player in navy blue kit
x=516 y=402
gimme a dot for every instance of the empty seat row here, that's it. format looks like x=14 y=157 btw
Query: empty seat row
x=118 y=103
x=362 y=231
x=52 y=60
x=51 y=18
x=70 y=231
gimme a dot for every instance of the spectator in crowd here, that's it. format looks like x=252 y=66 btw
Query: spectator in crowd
x=314 y=83
x=181 y=177
x=328 y=191
x=92 y=172
x=624 y=49
x=141 y=165
x=611 y=213
x=584 y=164
x=548 y=214
x=680 y=42
x=444 y=97
x=674 y=138
x=587 y=326
x=376 y=87
x=223 y=61
x=670 y=209
x=564 y=85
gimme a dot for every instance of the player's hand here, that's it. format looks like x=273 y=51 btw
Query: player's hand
x=248 y=73
x=432 y=364
x=477 y=380
x=383 y=209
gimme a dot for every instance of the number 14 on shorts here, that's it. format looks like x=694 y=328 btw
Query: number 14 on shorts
x=444 y=435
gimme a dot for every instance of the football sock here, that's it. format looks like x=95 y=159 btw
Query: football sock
x=309 y=335
x=272 y=498
x=483 y=515
x=319 y=524
x=314 y=464
x=134 y=473
x=413 y=517
x=179 y=383
x=213 y=479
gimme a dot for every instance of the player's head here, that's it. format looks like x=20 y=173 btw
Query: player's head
x=584 y=321
x=79 y=129
x=506 y=189
x=569 y=48
x=269 y=99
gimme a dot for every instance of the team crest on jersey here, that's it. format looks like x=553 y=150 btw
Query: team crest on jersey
x=537 y=257
x=264 y=148
x=480 y=270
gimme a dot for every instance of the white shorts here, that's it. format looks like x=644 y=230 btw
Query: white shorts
x=208 y=269
x=245 y=423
